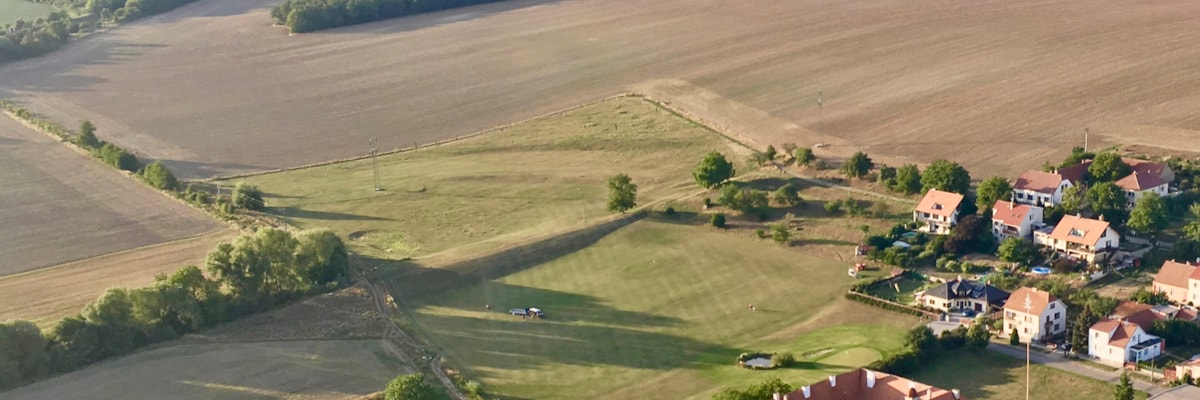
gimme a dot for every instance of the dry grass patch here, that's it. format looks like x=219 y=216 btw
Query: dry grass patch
x=536 y=178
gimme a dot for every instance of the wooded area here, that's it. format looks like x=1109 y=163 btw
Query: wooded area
x=314 y=15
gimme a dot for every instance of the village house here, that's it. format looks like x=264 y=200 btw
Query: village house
x=1010 y=219
x=1189 y=368
x=1116 y=342
x=1138 y=184
x=963 y=294
x=938 y=210
x=1179 y=281
x=1091 y=240
x=1035 y=314
x=1042 y=189
x=865 y=384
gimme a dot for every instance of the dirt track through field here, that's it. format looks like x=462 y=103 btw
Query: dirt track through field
x=57 y=205
x=998 y=85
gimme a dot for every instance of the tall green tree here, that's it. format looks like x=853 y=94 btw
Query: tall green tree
x=1149 y=215
x=788 y=195
x=410 y=387
x=1107 y=200
x=247 y=196
x=87 y=135
x=770 y=153
x=946 y=176
x=1016 y=250
x=23 y=356
x=1078 y=155
x=156 y=174
x=1124 y=388
x=713 y=170
x=804 y=156
x=1074 y=200
x=1081 y=328
x=908 y=179
x=622 y=193
x=887 y=176
x=858 y=165
x=990 y=190
x=1192 y=229
x=1108 y=167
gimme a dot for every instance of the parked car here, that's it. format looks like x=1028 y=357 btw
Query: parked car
x=527 y=312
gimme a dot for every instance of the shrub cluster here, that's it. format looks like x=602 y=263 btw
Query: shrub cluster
x=314 y=15
x=31 y=39
x=921 y=348
x=872 y=301
x=249 y=275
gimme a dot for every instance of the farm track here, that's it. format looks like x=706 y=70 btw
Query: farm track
x=999 y=86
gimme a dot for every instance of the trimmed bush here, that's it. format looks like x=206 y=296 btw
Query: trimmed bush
x=156 y=174
x=781 y=360
x=718 y=220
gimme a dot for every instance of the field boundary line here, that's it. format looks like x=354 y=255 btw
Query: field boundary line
x=118 y=253
x=419 y=146
x=753 y=145
x=130 y=175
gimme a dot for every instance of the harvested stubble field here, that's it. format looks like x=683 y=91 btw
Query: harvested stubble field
x=996 y=84
x=320 y=369
x=480 y=194
x=58 y=206
x=46 y=295
x=657 y=309
x=300 y=351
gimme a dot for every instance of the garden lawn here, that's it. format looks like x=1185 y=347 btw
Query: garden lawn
x=13 y=10
x=657 y=309
x=989 y=376
x=533 y=179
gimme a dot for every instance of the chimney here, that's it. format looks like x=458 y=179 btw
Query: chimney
x=1010 y=205
x=832 y=381
x=1101 y=217
x=1034 y=289
x=806 y=390
x=929 y=393
x=956 y=394
x=870 y=379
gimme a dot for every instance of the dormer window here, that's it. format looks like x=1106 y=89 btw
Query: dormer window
x=1077 y=232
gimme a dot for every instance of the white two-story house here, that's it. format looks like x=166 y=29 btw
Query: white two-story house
x=1035 y=314
x=1138 y=184
x=938 y=210
x=1115 y=342
x=1091 y=240
x=1010 y=219
x=1042 y=189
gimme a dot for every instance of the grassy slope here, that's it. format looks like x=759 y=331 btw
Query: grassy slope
x=658 y=306
x=536 y=178
x=12 y=10
x=990 y=376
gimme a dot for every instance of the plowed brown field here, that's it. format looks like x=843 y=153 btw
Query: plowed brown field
x=999 y=85
x=57 y=205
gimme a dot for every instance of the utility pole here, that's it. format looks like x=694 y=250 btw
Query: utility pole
x=375 y=165
x=1085 y=138
x=1028 y=343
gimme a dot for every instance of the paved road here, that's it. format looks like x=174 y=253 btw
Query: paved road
x=1075 y=367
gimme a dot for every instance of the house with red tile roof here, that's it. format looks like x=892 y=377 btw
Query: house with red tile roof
x=1042 y=189
x=938 y=210
x=1035 y=314
x=1179 y=281
x=1116 y=342
x=1091 y=240
x=865 y=384
x=1010 y=219
x=1139 y=184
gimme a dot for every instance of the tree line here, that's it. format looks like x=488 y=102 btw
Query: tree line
x=313 y=15
x=251 y=274
x=26 y=39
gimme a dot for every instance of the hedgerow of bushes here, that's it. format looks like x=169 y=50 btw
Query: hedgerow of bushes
x=251 y=274
x=314 y=15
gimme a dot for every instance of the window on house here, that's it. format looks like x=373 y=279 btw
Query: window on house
x=1055 y=315
x=1052 y=306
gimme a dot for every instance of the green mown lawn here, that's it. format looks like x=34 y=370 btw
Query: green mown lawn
x=988 y=376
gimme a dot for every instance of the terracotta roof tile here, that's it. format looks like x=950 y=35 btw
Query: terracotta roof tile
x=853 y=386
x=1079 y=230
x=1009 y=213
x=940 y=203
x=1139 y=181
x=1038 y=181
x=1038 y=300
x=1176 y=274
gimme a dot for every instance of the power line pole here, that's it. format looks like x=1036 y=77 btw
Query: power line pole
x=375 y=165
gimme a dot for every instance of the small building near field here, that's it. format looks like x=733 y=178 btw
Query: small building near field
x=1035 y=314
x=1116 y=342
x=938 y=210
x=963 y=294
